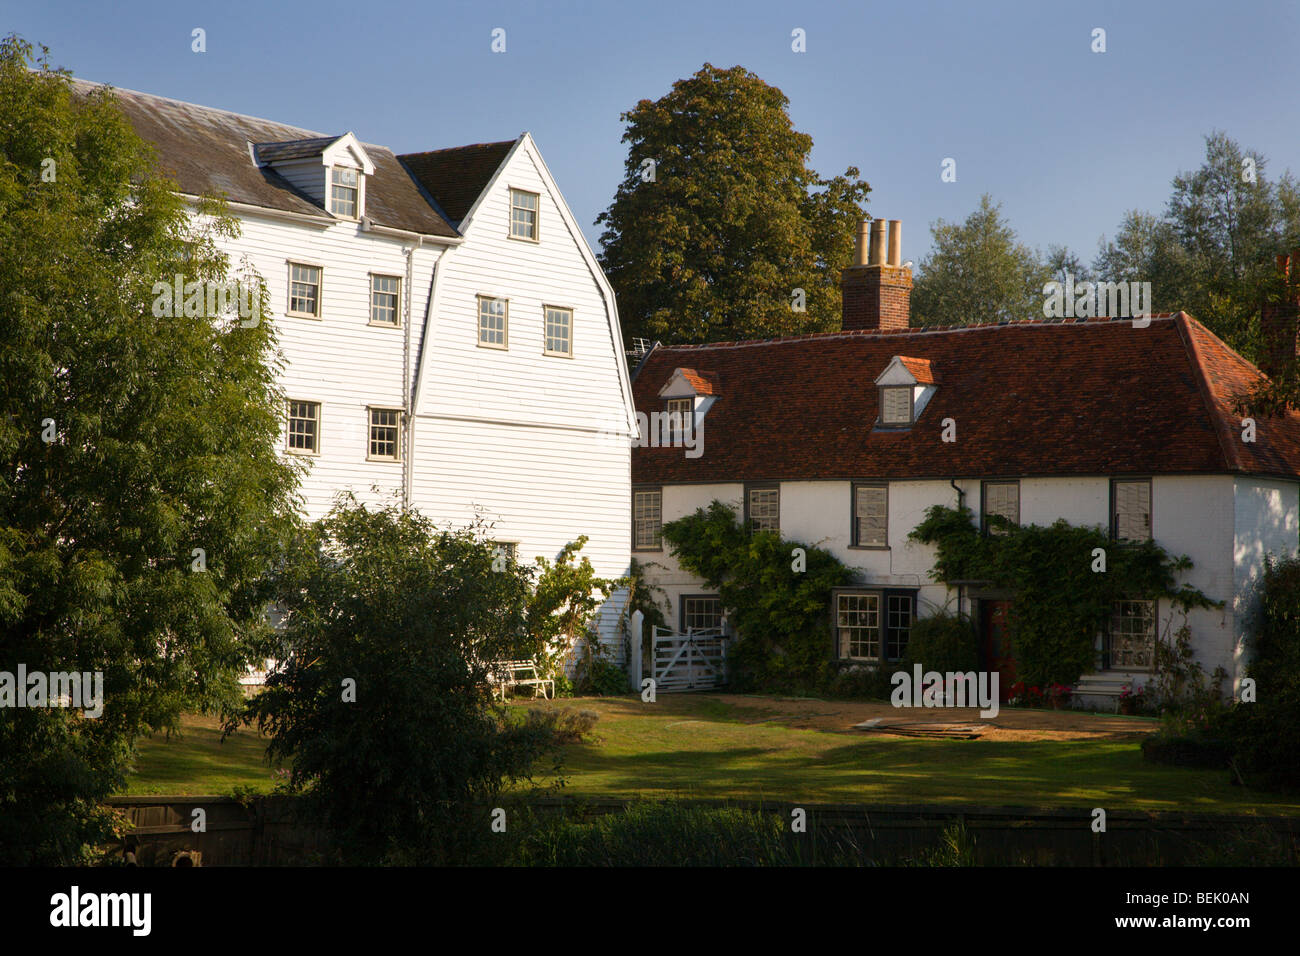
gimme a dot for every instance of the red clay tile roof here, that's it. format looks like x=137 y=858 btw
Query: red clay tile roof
x=1074 y=397
x=205 y=150
x=456 y=177
x=920 y=369
x=703 y=383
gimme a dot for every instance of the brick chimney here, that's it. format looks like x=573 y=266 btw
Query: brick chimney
x=1280 y=320
x=876 y=290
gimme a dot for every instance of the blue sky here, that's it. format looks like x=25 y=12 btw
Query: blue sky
x=1065 y=138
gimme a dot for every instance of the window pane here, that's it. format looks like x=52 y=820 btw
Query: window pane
x=857 y=619
x=343 y=191
x=1132 y=637
x=1003 y=499
x=701 y=613
x=558 y=324
x=523 y=214
x=383 y=299
x=304 y=426
x=898 y=626
x=871 y=516
x=897 y=406
x=765 y=509
x=384 y=433
x=684 y=423
x=646 y=519
x=492 y=321
x=304 y=289
x=1133 y=510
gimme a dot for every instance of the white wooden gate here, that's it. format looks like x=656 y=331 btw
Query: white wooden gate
x=696 y=660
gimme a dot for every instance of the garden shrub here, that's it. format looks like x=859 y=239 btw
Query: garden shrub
x=860 y=682
x=1266 y=733
x=943 y=642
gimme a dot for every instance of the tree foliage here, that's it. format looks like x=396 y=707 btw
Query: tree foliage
x=733 y=221
x=1061 y=602
x=383 y=704
x=979 y=272
x=1210 y=252
x=127 y=441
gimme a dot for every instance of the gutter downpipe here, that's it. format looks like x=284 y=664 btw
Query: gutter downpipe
x=961 y=588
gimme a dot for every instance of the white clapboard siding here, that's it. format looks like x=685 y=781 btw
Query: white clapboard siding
x=339 y=360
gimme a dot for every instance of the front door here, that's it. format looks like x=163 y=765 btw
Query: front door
x=996 y=644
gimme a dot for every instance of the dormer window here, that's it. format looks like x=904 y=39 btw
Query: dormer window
x=896 y=405
x=681 y=417
x=904 y=389
x=345 y=188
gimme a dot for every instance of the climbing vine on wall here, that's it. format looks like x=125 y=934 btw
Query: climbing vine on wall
x=776 y=593
x=1066 y=580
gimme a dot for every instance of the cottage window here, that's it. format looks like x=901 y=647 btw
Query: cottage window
x=304 y=290
x=763 y=508
x=647 y=519
x=345 y=188
x=1001 y=500
x=870 y=516
x=385 y=434
x=1130 y=642
x=493 y=316
x=302 y=435
x=559 y=331
x=869 y=622
x=896 y=405
x=384 y=297
x=1131 y=510
x=681 y=418
x=701 y=612
x=523 y=214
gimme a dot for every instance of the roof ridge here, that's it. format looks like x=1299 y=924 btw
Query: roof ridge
x=919 y=330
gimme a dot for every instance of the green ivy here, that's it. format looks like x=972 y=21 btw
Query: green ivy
x=1061 y=603
x=776 y=592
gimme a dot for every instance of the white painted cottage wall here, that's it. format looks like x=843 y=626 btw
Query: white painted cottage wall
x=1192 y=515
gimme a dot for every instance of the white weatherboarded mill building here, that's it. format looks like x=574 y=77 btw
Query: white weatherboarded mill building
x=447 y=338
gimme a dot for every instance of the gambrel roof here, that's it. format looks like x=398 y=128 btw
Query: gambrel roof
x=1074 y=397
x=211 y=151
x=456 y=177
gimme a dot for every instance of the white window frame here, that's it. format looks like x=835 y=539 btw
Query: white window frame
x=536 y=211
x=289 y=418
x=320 y=289
x=750 y=518
x=986 y=510
x=1125 y=640
x=356 y=189
x=547 y=311
x=504 y=344
x=684 y=612
x=681 y=428
x=370 y=433
x=397 y=301
x=642 y=518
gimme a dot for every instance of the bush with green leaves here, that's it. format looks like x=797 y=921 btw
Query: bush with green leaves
x=383 y=706
x=942 y=642
x=142 y=498
x=776 y=593
x=1265 y=733
x=1061 y=603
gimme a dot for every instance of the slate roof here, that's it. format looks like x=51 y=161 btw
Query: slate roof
x=456 y=177
x=206 y=151
x=1074 y=397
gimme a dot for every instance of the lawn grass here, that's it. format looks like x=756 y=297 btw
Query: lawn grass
x=688 y=746
x=198 y=763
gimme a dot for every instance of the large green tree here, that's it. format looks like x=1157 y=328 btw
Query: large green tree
x=1210 y=253
x=128 y=441
x=980 y=272
x=719 y=220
